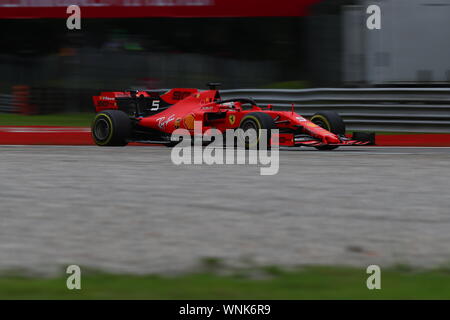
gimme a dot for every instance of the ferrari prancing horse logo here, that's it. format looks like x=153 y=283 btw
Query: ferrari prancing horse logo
x=232 y=119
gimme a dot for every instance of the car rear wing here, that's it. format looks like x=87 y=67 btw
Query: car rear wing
x=140 y=102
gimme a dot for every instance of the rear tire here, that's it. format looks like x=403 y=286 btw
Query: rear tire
x=331 y=121
x=111 y=128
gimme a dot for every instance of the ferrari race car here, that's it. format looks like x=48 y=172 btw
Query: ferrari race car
x=152 y=117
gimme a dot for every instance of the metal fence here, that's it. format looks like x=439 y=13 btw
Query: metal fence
x=373 y=109
x=6 y=103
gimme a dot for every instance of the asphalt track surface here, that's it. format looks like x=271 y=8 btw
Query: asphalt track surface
x=131 y=210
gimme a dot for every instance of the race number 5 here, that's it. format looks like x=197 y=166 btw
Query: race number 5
x=155 y=105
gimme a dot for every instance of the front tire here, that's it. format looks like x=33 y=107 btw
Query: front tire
x=111 y=128
x=331 y=121
x=257 y=121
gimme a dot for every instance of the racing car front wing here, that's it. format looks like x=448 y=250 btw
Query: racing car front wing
x=291 y=140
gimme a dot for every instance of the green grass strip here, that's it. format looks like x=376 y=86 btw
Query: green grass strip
x=269 y=283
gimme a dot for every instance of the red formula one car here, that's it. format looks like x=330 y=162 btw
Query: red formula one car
x=152 y=117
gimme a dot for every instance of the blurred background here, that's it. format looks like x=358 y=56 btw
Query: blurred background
x=186 y=43
x=130 y=211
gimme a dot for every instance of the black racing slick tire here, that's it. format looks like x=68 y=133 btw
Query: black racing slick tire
x=257 y=121
x=111 y=128
x=331 y=121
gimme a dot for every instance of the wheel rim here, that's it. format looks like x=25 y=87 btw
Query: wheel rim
x=249 y=125
x=321 y=124
x=253 y=137
x=102 y=129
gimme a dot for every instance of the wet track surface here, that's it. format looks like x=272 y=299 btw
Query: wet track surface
x=131 y=210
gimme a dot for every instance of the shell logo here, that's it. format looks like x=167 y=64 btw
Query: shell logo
x=189 y=122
